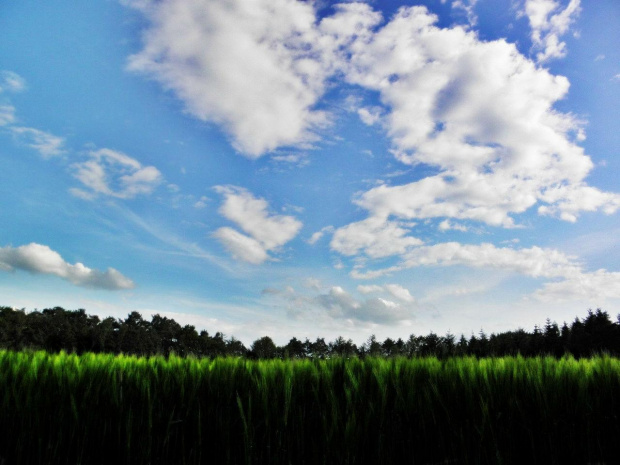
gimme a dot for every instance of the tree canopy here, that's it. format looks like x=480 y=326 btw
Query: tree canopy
x=56 y=329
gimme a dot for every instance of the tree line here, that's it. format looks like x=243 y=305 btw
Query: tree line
x=56 y=329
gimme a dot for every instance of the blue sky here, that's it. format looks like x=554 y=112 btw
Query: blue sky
x=310 y=169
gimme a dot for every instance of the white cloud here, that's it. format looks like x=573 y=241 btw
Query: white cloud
x=267 y=232
x=339 y=304
x=48 y=145
x=201 y=202
x=596 y=286
x=479 y=112
x=549 y=22
x=370 y=116
x=7 y=115
x=447 y=225
x=298 y=159
x=535 y=261
x=564 y=274
x=317 y=236
x=566 y=201
x=468 y=8
x=312 y=283
x=375 y=237
x=369 y=289
x=252 y=67
x=40 y=259
x=112 y=173
x=395 y=290
x=242 y=247
x=11 y=82
x=399 y=292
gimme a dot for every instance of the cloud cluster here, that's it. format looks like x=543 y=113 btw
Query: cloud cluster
x=339 y=304
x=40 y=259
x=265 y=232
x=482 y=114
x=549 y=22
x=478 y=111
x=395 y=306
x=112 y=173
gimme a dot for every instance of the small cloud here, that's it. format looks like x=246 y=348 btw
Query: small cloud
x=266 y=232
x=298 y=159
x=242 y=247
x=271 y=291
x=40 y=259
x=395 y=290
x=616 y=78
x=599 y=57
x=48 y=145
x=369 y=289
x=370 y=116
x=112 y=173
x=376 y=237
x=548 y=24
x=293 y=208
x=81 y=194
x=312 y=283
x=511 y=241
x=7 y=115
x=317 y=236
x=399 y=292
x=11 y=82
x=447 y=225
x=202 y=202
x=467 y=8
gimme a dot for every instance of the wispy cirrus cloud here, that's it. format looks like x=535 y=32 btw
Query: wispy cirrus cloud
x=114 y=174
x=7 y=115
x=40 y=259
x=47 y=144
x=10 y=81
x=560 y=272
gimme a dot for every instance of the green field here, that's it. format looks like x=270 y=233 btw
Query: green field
x=104 y=409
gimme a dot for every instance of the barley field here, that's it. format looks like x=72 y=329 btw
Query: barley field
x=101 y=409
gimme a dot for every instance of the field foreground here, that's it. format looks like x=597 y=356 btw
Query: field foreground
x=101 y=409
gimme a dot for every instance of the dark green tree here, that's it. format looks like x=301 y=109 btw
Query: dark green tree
x=263 y=347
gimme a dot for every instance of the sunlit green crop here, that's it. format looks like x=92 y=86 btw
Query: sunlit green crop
x=91 y=409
